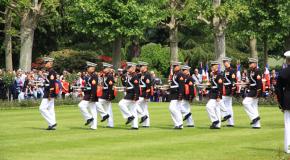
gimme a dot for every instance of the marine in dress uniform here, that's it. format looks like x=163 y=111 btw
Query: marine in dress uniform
x=88 y=106
x=128 y=105
x=123 y=76
x=176 y=94
x=188 y=96
x=145 y=93
x=229 y=89
x=105 y=101
x=253 y=92
x=46 y=107
x=215 y=104
x=283 y=96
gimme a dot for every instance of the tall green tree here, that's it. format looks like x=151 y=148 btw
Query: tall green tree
x=175 y=15
x=30 y=13
x=267 y=23
x=7 y=44
x=219 y=15
x=9 y=31
x=113 y=20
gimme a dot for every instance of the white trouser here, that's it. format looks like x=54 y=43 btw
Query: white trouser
x=287 y=130
x=46 y=109
x=129 y=108
x=214 y=110
x=107 y=107
x=142 y=110
x=88 y=110
x=251 y=108
x=100 y=109
x=185 y=109
x=228 y=101
x=175 y=110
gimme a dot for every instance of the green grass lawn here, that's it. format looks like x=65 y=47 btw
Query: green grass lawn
x=22 y=137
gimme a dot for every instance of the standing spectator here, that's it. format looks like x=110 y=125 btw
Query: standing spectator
x=244 y=80
x=65 y=87
x=198 y=80
x=18 y=85
x=40 y=78
x=59 y=86
x=273 y=80
x=2 y=87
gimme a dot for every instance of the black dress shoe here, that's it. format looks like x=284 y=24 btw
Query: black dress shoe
x=215 y=123
x=186 y=116
x=143 y=119
x=130 y=119
x=105 y=117
x=190 y=126
x=230 y=125
x=178 y=127
x=89 y=121
x=214 y=127
x=134 y=128
x=50 y=128
x=255 y=120
x=226 y=118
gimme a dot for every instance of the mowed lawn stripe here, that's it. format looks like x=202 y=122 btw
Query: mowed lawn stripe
x=22 y=136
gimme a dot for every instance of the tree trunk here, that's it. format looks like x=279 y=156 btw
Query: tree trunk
x=253 y=47
x=117 y=52
x=8 y=40
x=173 y=43
x=220 y=46
x=27 y=28
x=26 y=36
x=219 y=34
x=266 y=48
x=173 y=31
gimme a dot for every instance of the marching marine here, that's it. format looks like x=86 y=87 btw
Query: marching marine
x=188 y=96
x=283 y=97
x=145 y=93
x=253 y=92
x=47 y=104
x=108 y=94
x=229 y=89
x=176 y=95
x=128 y=105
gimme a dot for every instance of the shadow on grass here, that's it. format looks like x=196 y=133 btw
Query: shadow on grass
x=37 y=128
x=80 y=128
x=264 y=149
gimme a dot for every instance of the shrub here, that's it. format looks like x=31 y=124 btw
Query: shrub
x=72 y=60
x=157 y=56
